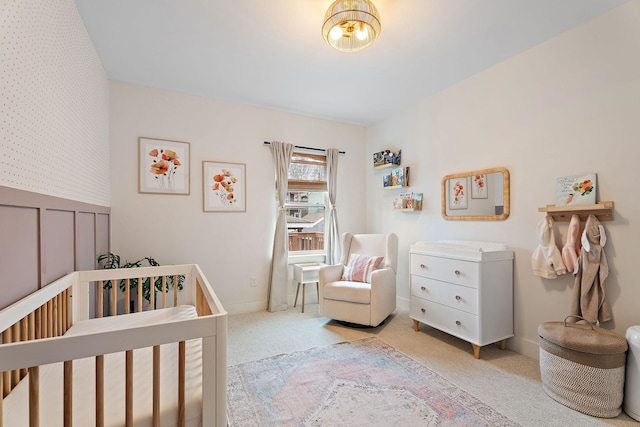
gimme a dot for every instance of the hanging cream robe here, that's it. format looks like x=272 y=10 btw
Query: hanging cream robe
x=546 y=260
x=589 y=299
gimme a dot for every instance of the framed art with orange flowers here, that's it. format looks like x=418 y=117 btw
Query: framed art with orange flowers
x=224 y=187
x=458 y=193
x=479 y=186
x=163 y=166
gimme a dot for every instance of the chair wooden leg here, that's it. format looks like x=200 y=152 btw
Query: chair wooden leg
x=303 y=292
x=297 y=290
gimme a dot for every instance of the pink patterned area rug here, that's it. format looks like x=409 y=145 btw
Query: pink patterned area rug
x=358 y=383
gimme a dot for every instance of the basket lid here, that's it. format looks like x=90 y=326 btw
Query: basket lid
x=586 y=338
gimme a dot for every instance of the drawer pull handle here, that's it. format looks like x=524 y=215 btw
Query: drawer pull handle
x=457 y=272
x=423 y=310
x=422 y=288
x=458 y=297
x=458 y=322
x=422 y=266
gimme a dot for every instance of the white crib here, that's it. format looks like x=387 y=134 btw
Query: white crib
x=163 y=367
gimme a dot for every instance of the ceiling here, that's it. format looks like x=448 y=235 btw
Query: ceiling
x=271 y=53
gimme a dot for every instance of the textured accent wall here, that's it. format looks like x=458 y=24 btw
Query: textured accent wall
x=54 y=103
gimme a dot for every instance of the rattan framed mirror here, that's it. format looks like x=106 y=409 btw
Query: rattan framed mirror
x=480 y=195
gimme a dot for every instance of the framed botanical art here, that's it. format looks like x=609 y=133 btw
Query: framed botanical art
x=458 y=193
x=163 y=166
x=479 y=186
x=224 y=187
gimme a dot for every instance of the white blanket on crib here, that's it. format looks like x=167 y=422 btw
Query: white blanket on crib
x=16 y=404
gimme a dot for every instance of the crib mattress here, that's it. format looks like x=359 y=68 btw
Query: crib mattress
x=16 y=404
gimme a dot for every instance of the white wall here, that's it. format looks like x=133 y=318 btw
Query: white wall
x=568 y=106
x=54 y=117
x=173 y=229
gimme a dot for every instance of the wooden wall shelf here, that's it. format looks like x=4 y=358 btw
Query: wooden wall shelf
x=603 y=211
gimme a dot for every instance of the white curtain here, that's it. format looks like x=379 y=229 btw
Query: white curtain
x=278 y=279
x=333 y=236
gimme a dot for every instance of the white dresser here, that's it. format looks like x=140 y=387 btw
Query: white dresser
x=463 y=288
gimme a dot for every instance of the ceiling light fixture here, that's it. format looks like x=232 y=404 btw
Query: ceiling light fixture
x=351 y=25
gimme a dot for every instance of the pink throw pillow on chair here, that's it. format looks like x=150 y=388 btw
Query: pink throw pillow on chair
x=360 y=267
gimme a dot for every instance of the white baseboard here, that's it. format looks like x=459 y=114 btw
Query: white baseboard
x=525 y=347
x=246 y=307
x=402 y=304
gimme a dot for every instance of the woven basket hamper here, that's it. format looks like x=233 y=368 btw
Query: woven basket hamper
x=583 y=367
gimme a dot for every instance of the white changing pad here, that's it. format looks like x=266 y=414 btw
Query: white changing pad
x=463 y=249
x=16 y=404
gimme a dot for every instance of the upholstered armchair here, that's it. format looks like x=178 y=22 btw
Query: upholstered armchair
x=361 y=289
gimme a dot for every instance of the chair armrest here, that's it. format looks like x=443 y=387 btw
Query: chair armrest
x=383 y=277
x=330 y=273
x=383 y=294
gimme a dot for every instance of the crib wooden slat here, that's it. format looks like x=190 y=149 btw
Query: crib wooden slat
x=38 y=323
x=114 y=297
x=100 y=293
x=68 y=393
x=63 y=319
x=61 y=313
x=129 y=388
x=65 y=306
x=100 y=391
x=1 y=400
x=152 y=293
x=181 y=379
x=44 y=329
x=175 y=290
x=156 y=386
x=34 y=396
x=127 y=295
x=164 y=291
x=24 y=336
x=6 y=387
x=15 y=337
x=139 y=294
x=69 y=306
x=32 y=325
x=49 y=319
x=54 y=316
x=58 y=302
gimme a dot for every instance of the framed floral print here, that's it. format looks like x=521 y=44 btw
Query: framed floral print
x=479 y=186
x=224 y=187
x=458 y=193
x=163 y=166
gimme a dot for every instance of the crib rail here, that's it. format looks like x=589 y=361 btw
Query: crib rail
x=51 y=319
x=33 y=335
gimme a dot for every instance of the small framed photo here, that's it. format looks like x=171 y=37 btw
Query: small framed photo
x=479 y=186
x=224 y=187
x=458 y=193
x=163 y=166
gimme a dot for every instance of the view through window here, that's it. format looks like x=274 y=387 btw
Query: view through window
x=306 y=202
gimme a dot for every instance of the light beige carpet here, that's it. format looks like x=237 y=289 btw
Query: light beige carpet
x=504 y=380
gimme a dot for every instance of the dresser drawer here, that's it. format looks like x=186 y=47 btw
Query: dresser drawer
x=455 y=322
x=445 y=269
x=449 y=294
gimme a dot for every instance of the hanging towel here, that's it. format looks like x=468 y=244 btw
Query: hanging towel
x=546 y=260
x=589 y=299
x=571 y=249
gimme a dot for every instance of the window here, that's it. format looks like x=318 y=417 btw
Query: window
x=306 y=201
